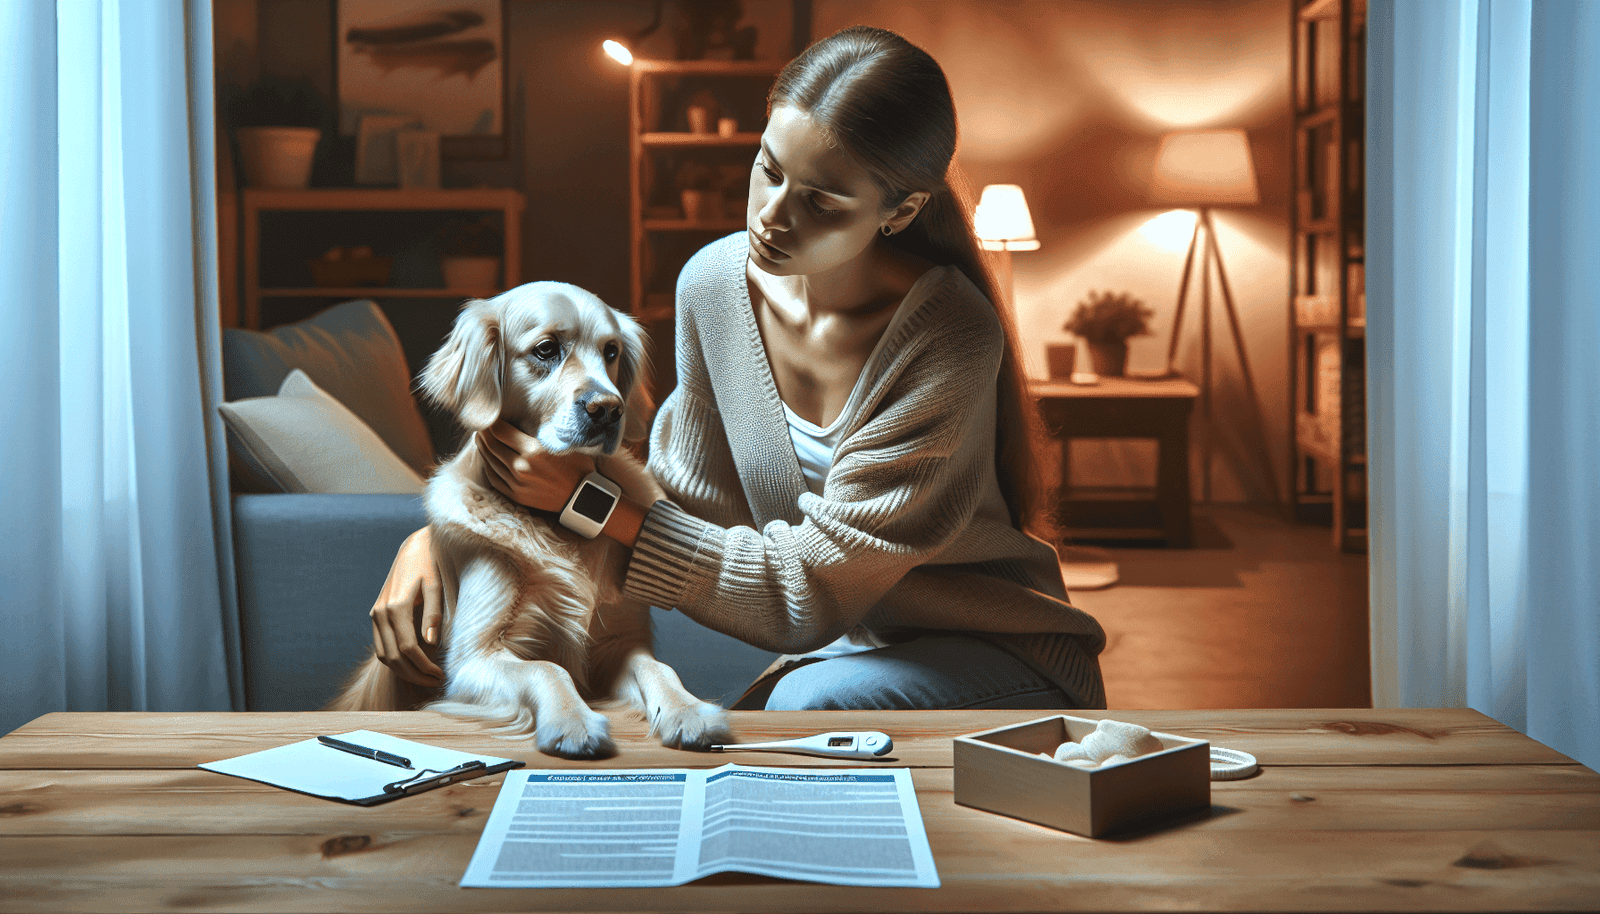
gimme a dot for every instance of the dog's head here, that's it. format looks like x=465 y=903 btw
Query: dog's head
x=550 y=358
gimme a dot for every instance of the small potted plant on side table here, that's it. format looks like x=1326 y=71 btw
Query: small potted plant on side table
x=471 y=254
x=1105 y=321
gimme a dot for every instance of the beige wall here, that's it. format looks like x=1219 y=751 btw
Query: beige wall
x=1068 y=98
x=1065 y=97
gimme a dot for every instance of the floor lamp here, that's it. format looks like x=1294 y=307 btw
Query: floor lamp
x=1002 y=223
x=1202 y=169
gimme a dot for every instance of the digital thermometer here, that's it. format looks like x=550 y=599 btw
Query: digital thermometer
x=862 y=744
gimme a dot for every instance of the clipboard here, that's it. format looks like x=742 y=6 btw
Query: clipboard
x=316 y=770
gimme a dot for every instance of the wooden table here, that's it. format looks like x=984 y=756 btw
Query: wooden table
x=1124 y=408
x=1354 y=810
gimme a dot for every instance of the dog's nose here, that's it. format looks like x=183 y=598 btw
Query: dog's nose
x=603 y=408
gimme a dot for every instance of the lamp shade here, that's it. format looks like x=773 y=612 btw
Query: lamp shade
x=1002 y=222
x=1205 y=167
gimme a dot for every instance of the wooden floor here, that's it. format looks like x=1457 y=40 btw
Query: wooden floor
x=1261 y=613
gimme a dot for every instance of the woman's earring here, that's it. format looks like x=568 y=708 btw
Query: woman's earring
x=887 y=230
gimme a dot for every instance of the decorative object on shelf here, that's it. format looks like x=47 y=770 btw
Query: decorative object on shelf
x=699 y=117
x=441 y=62
x=350 y=268
x=1201 y=169
x=1060 y=358
x=471 y=254
x=378 y=149
x=278 y=157
x=698 y=190
x=709 y=30
x=417 y=152
x=1002 y=223
x=727 y=126
x=278 y=123
x=1105 y=321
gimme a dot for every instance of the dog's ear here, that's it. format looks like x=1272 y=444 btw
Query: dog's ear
x=633 y=379
x=464 y=376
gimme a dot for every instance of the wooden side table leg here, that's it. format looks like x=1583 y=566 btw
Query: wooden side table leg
x=1172 y=481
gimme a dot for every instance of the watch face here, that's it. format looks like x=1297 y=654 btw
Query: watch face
x=593 y=502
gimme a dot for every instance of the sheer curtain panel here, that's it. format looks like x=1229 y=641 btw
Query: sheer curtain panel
x=1484 y=361
x=117 y=588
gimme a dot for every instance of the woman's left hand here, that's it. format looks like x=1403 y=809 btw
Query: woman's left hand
x=523 y=471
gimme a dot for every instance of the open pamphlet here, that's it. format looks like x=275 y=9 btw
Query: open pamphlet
x=661 y=827
x=315 y=767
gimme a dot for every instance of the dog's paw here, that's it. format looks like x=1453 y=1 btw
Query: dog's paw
x=697 y=726
x=585 y=735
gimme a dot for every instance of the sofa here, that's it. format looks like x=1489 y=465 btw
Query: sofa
x=328 y=449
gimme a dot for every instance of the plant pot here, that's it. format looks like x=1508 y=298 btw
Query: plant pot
x=1061 y=357
x=277 y=156
x=701 y=205
x=1110 y=360
x=477 y=273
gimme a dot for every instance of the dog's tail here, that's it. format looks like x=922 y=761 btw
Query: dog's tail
x=506 y=719
x=373 y=687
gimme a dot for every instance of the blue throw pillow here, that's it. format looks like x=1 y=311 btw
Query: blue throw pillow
x=352 y=352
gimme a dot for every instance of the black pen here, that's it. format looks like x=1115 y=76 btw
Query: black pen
x=374 y=754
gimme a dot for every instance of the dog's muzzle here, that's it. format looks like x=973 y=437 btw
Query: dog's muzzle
x=600 y=419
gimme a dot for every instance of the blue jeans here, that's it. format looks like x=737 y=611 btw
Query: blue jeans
x=934 y=672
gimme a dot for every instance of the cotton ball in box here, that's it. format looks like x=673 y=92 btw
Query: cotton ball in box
x=1111 y=742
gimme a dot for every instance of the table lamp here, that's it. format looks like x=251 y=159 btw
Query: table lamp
x=1199 y=169
x=1002 y=223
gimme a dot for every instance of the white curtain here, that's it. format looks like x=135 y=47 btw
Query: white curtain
x=1483 y=339
x=117 y=590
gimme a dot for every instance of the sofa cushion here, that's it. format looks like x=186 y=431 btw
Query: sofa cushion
x=349 y=350
x=305 y=441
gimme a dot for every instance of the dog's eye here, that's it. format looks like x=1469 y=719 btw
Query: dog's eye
x=612 y=351
x=547 y=350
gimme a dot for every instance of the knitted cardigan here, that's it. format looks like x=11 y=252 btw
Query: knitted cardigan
x=911 y=532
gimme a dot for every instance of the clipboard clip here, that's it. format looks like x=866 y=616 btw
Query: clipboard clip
x=429 y=778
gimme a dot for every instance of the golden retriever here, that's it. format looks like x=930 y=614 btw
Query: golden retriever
x=535 y=623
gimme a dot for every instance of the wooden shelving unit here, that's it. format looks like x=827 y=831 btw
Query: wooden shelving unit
x=255 y=201
x=1327 y=269
x=661 y=238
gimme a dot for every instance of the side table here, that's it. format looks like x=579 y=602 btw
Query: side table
x=1125 y=408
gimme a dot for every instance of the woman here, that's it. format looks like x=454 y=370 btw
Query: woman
x=849 y=453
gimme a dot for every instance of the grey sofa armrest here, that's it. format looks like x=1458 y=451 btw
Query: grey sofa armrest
x=309 y=568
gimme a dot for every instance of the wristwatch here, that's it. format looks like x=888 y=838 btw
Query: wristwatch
x=591 y=505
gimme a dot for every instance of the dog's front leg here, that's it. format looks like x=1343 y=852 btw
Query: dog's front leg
x=680 y=719
x=534 y=696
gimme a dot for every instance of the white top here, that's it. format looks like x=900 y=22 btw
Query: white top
x=814 y=445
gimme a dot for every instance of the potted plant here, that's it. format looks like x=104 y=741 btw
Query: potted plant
x=471 y=251
x=278 y=123
x=698 y=191
x=1105 y=320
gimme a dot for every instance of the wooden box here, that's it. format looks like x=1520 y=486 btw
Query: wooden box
x=1002 y=771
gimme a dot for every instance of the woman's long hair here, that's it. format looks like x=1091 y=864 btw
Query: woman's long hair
x=888 y=105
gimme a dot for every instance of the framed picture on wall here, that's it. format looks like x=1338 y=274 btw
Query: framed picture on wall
x=439 y=63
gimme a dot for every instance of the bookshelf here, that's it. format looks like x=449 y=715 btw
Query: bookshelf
x=257 y=201
x=663 y=233
x=1327 y=269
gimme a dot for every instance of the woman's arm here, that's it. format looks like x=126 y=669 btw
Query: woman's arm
x=413 y=579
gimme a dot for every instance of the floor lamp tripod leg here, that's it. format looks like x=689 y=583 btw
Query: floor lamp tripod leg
x=1183 y=292
x=1238 y=345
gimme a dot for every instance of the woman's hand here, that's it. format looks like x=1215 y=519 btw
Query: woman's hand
x=523 y=471
x=413 y=578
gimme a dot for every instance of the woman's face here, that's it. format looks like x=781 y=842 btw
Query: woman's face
x=811 y=207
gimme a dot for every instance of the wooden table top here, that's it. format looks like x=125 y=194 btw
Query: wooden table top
x=1110 y=387
x=1354 y=810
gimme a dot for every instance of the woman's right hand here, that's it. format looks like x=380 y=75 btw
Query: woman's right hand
x=413 y=579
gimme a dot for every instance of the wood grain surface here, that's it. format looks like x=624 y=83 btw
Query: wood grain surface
x=1353 y=810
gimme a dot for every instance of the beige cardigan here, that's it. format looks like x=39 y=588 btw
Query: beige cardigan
x=910 y=533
